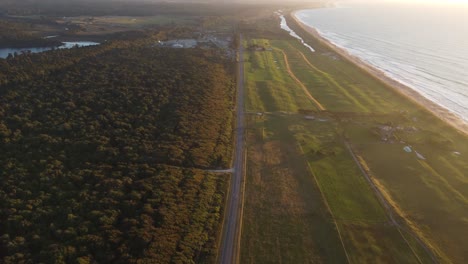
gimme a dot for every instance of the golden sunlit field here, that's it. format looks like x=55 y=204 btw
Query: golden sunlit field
x=339 y=183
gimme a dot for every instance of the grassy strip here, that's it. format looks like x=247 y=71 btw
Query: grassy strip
x=431 y=194
x=269 y=86
x=304 y=88
x=285 y=218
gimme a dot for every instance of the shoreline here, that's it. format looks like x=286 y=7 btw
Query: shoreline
x=439 y=111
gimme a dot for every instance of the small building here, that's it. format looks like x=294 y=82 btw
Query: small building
x=179 y=43
x=407 y=149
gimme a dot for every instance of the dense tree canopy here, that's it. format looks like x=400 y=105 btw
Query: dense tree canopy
x=104 y=154
x=120 y=8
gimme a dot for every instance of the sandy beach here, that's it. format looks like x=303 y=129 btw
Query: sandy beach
x=406 y=91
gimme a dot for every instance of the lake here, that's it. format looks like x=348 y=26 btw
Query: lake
x=65 y=45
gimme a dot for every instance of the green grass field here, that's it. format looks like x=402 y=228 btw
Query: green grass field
x=291 y=158
x=285 y=218
x=269 y=87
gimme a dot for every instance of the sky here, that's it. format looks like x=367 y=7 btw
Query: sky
x=437 y=2
x=419 y=2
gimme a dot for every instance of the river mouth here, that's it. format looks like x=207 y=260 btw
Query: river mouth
x=4 y=52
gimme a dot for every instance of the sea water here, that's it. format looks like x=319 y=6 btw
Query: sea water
x=284 y=26
x=424 y=47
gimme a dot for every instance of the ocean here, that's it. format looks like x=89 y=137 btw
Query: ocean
x=424 y=47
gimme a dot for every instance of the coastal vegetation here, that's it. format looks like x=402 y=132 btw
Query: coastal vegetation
x=413 y=206
x=106 y=154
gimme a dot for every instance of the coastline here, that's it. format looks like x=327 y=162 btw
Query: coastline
x=439 y=111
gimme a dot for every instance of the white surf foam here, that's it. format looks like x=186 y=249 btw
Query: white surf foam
x=284 y=25
x=408 y=47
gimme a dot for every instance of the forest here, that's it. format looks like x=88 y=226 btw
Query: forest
x=106 y=153
x=121 y=8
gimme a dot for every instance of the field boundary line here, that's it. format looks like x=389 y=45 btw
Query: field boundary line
x=391 y=212
x=326 y=205
x=409 y=245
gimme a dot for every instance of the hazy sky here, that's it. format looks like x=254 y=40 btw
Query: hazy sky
x=443 y=2
x=439 y=2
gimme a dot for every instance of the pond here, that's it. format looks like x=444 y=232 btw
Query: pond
x=65 y=45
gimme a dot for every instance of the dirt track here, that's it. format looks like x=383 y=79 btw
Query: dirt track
x=301 y=84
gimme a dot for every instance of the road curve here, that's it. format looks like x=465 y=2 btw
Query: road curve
x=229 y=251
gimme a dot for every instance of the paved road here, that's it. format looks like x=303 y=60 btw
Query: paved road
x=231 y=234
